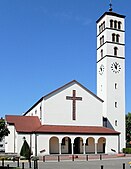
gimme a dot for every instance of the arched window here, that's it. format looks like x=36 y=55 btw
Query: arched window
x=99 y=28
x=102 y=40
x=119 y=25
x=116 y=86
x=115 y=51
x=116 y=123
x=116 y=104
x=117 y=38
x=113 y=37
x=111 y=23
x=103 y=25
x=115 y=24
x=101 y=53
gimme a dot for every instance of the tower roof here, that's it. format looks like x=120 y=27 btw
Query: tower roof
x=111 y=14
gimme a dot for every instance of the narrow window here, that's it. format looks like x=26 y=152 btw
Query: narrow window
x=116 y=123
x=103 y=25
x=40 y=113
x=116 y=104
x=35 y=111
x=117 y=38
x=99 y=28
x=101 y=53
x=104 y=121
x=115 y=51
x=115 y=24
x=113 y=37
x=119 y=25
x=116 y=86
x=111 y=23
x=102 y=40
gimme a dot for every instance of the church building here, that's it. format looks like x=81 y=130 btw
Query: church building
x=72 y=119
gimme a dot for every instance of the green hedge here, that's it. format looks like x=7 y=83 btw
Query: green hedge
x=127 y=150
x=9 y=167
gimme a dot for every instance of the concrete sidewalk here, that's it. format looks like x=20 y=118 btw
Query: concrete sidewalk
x=116 y=163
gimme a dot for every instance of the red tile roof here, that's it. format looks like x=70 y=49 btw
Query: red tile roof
x=30 y=124
x=75 y=129
x=24 y=123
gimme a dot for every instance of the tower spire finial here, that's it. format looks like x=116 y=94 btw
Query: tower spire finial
x=110 y=9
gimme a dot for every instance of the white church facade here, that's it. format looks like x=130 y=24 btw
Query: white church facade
x=72 y=119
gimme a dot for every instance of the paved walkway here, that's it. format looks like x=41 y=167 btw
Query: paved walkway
x=115 y=163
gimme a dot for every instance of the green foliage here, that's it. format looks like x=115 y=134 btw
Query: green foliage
x=25 y=150
x=3 y=129
x=9 y=167
x=127 y=150
x=128 y=127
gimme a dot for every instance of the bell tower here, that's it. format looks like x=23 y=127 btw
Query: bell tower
x=111 y=71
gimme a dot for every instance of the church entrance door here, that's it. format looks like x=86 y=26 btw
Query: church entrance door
x=78 y=142
x=69 y=146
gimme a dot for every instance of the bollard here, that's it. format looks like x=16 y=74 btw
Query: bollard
x=43 y=158
x=86 y=157
x=7 y=166
x=2 y=162
x=72 y=157
x=100 y=156
x=22 y=165
x=29 y=163
x=102 y=167
x=124 y=166
x=34 y=164
x=58 y=158
x=18 y=164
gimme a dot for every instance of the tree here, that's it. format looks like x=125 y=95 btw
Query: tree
x=3 y=129
x=128 y=128
x=25 y=150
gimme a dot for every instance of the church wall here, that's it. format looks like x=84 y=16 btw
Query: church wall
x=111 y=142
x=10 y=140
x=37 y=111
x=43 y=144
x=58 y=110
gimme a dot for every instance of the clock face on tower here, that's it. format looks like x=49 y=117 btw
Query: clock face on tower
x=101 y=69
x=115 y=67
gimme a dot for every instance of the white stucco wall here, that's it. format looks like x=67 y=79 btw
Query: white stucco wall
x=58 y=110
x=106 y=82
x=10 y=146
x=111 y=142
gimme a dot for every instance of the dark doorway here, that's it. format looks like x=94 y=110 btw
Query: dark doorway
x=69 y=146
x=77 y=145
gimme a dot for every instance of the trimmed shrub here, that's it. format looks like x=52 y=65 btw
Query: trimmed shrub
x=25 y=150
x=127 y=150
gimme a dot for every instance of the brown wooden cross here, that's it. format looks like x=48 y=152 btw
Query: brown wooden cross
x=74 y=98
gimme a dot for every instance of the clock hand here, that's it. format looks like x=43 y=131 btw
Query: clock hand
x=115 y=65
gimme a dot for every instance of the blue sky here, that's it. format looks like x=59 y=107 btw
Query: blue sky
x=44 y=44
